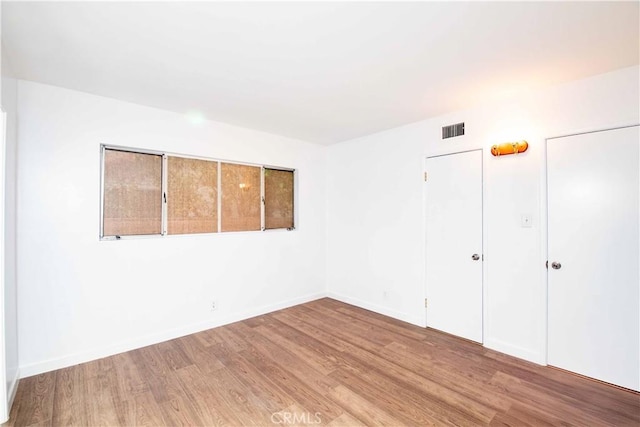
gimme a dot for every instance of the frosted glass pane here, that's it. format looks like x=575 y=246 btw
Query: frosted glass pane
x=132 y=193
x=278 y=198
x=240 y=197
x=192 y=196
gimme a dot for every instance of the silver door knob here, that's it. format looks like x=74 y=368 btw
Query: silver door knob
x=475 y=257
x=556 y=265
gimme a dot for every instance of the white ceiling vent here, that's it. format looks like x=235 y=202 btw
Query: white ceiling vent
x=453 y=130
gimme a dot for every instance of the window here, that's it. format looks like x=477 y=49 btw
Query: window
x=241 y=190
x=278 y=198
x=132 y=193
x=192 y=196
x=150 y=193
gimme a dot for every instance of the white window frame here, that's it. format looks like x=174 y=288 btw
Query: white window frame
x=165 y=158
x=163 y=191
x=295 y=198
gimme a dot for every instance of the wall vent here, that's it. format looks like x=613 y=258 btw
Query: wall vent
x=453 y=130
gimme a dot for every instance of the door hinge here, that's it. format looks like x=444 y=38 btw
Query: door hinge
x=546 y=265
x=425 y=177
x=425 y=303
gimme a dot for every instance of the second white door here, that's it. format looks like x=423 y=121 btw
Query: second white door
x=454 y=244
x=594 y=266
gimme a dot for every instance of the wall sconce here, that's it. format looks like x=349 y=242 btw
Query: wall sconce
x=509 y=148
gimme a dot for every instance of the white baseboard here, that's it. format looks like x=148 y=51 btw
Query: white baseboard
x=515 y=351
x=11 y=395
x=98 y=353
x=511 y=350
x=377 y=309
x=13 y=389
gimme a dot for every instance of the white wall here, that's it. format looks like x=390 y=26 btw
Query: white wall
x=375 y=199
x=361 y=238
x=9 y=99
x=80 y=298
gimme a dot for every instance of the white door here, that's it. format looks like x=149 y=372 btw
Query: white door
x=4 y=408
x=454 y=244
x=594 y=255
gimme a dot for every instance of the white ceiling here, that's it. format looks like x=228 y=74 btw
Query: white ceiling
x=321 y=72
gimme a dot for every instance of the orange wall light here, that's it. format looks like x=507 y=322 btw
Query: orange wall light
x=509 y=148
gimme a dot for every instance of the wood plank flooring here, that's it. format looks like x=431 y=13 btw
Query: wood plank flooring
x=321 y=363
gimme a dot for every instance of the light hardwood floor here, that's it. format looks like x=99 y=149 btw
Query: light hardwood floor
x=321 y=363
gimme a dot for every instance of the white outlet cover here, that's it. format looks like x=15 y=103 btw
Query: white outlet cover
x=525 y=221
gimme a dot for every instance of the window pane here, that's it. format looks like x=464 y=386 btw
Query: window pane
x=240 y=197
x=192 y=196
x=132 y=193
x=278 y=198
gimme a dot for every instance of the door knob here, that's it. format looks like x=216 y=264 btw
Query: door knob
x=556 y=265
x=475 y=257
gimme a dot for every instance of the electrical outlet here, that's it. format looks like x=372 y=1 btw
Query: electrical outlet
x=214 y=305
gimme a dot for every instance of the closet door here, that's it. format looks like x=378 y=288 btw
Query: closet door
x=4 y=399
x=594 y=255
x=454 y=244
